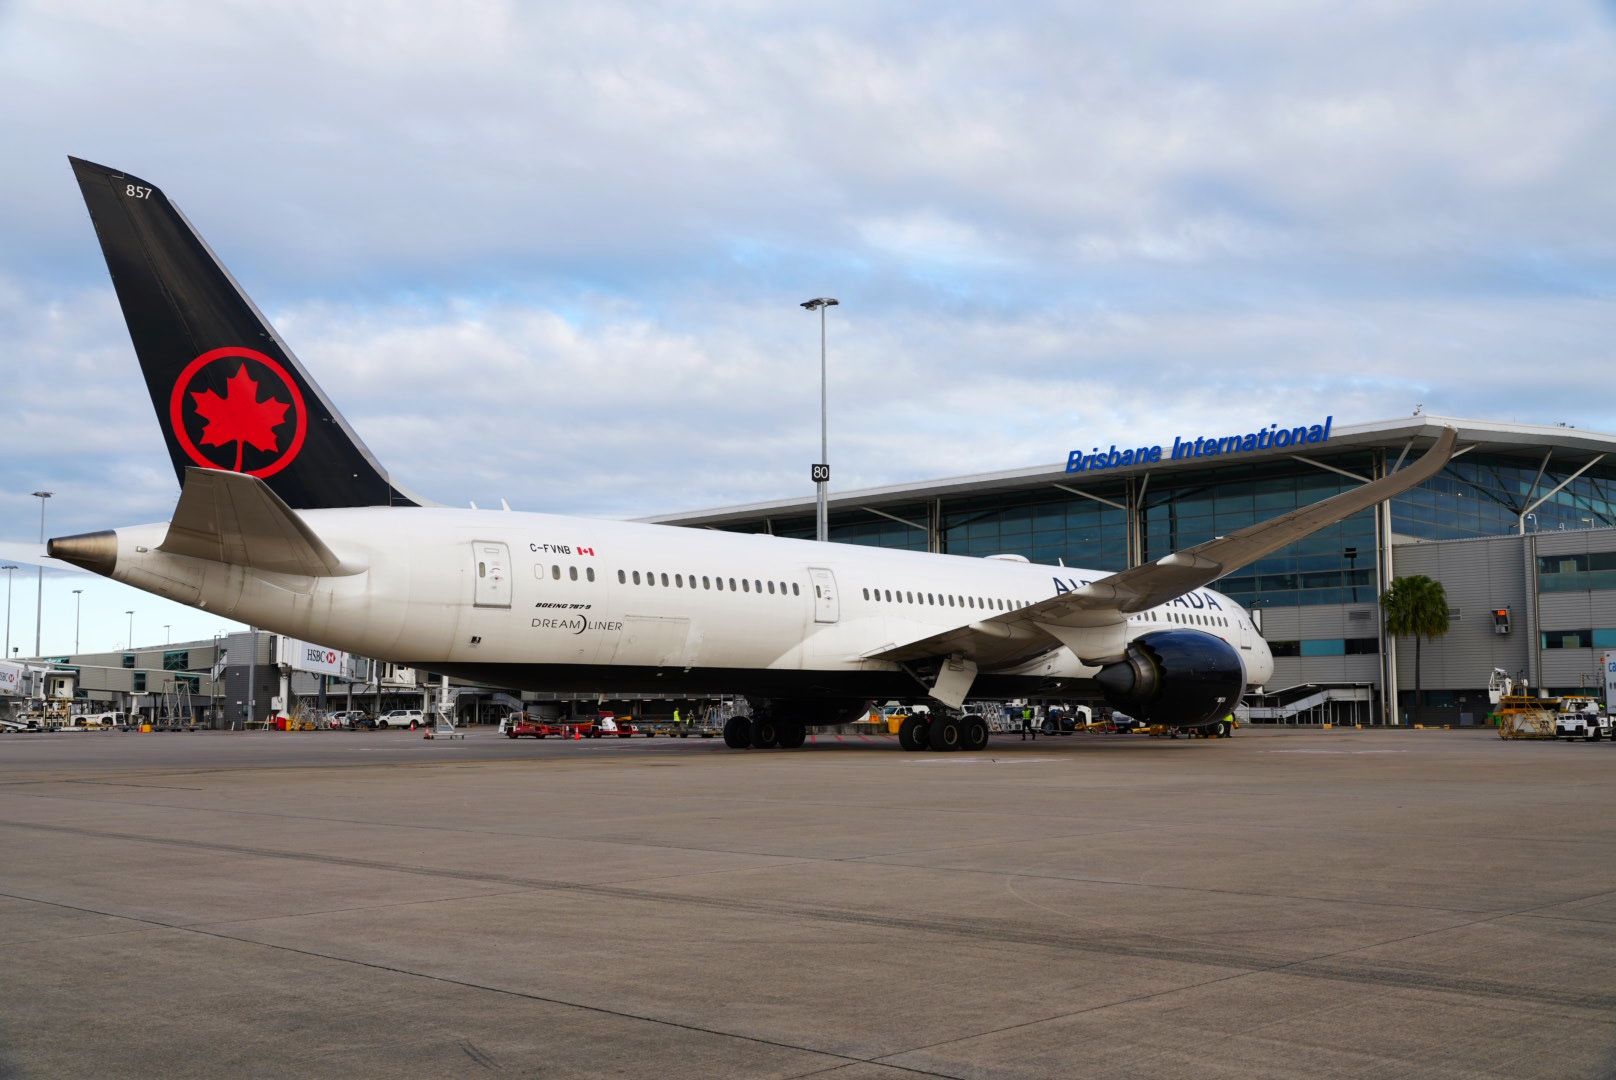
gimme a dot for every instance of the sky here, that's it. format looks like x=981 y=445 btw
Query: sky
x=553 y=253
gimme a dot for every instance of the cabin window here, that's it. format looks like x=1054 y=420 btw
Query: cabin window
x=816 y=591
x=771 y=591
x=731 y=584
x=621 y=578
x=555 y=572
x=572 y=573
x=909 y=597
x=664 y=581
x=679 y=581
x=930 y=599
x=636 y=577
x=720 y=584
x=746 y=586
x=706 y=582
x=482 y=569
x=794 y=590
x=866 y=594
x=589 y=573
x=757 y=586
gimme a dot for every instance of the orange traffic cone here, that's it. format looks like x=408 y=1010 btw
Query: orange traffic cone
x=577 y=735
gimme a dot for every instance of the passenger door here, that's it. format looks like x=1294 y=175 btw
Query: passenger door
x=826 y=607
x=491 y=573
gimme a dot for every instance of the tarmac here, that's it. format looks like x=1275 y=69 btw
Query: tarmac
x=1279 y=904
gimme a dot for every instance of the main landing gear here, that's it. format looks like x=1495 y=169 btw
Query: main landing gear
x=943 y=732
x=763 y=733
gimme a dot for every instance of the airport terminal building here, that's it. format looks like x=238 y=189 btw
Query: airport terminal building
x=1521 y=523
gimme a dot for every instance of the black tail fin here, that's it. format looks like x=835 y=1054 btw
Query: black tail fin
x=228 y=392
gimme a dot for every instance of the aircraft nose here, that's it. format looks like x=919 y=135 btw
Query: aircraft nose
x=96 y=552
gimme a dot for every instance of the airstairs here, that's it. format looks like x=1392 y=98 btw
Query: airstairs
x=1310 y=703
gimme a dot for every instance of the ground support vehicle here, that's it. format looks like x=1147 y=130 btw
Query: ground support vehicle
x=545 y=729
x=1581 y=718
x=612 y=727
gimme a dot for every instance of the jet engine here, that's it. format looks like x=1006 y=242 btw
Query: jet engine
x=1181 y=677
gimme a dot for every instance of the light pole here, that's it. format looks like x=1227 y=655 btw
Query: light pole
x=166 y=634
x=78 y=601
x=8 y=568
x=131 y=615
x=821 y=471
x=39 y=596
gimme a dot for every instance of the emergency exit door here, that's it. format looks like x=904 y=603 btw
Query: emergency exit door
x=491 y=570
x=826 y=607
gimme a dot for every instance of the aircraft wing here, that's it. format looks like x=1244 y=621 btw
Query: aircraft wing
x=1018 y=635
x=234 y=518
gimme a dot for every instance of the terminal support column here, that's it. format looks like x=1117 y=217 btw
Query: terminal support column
x=1383 y=580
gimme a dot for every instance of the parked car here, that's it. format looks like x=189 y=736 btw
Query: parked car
x=401 y=718
x=348 y=718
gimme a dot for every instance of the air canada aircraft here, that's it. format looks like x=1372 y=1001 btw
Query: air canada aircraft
x=286 y=521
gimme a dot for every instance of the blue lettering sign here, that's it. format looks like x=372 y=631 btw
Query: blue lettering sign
x=1184 y=447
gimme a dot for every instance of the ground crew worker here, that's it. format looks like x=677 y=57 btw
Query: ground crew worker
x=675 y=716
x=1026 y=724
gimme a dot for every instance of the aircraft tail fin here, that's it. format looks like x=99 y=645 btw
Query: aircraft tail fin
x=229 y=393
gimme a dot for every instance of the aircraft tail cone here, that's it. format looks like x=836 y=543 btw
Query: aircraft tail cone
x=96 y=552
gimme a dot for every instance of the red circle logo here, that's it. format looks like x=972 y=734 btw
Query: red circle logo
x=247 y=421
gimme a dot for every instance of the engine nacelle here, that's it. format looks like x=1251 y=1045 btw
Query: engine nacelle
x=1181 y=677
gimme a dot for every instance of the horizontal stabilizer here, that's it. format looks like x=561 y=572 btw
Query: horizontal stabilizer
x=233 y=518
x=12 y=551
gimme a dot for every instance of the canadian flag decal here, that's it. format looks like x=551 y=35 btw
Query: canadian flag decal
x=586 y=551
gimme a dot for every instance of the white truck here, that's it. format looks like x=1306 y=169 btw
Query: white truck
x=1581 y=718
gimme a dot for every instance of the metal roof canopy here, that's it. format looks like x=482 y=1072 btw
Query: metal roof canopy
x=1404 y=435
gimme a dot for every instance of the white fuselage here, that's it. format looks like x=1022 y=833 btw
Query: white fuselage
x=539 y=601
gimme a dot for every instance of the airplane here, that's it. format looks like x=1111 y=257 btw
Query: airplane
x=286 y=521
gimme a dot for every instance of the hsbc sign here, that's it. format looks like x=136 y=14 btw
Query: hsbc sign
x=302 y=656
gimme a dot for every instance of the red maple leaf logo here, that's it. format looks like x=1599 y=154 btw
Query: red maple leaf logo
x=239 y=417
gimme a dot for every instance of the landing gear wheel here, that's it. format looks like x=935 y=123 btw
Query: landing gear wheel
x=765 y=734
x=975 y=735
x=737 y=733
x=792 y=736
x=946 y=733
x=912 y=733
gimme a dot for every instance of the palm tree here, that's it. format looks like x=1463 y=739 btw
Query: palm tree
x=1416 y=605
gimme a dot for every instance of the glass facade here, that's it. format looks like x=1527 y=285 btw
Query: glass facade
x=1479 y=494
x=1577 y=573
x=1046 y=529
x=1335 y=565
x=1483 y=495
